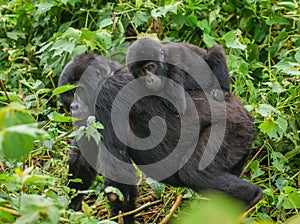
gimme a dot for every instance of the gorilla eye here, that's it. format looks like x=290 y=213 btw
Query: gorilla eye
x=141 y=73
x=151 y=67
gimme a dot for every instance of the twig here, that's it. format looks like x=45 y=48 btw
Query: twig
x=4 y=90
x=246 y=214
x=136 y=210
x=172 y=210
x=11 y=211
x=253 y=158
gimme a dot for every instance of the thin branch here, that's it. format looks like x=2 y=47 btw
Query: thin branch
x=4 y=90
x=136 y=210
x=172 y=210
x=253 y=158
x=10 y=211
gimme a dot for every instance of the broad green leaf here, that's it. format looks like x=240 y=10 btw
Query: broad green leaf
x=214 y=15
x=105 y=39
x=203 y=25
x=268 y=125
x=86 y=209
x=43 y=91
x=63 y=89
x=266 y=110
x=292 y=201
x=257 y=171
x=156 y=186
x=138 y=3
x=209 y=40
x=297 y=55
x=162 y=11
x=287 y=67
x=192 y=20
x=17 y=131
x=14 y=146
x=282 y=123
x=232 y=40
x=105 y=23
x=74 y=33
x=15 y=35
x=61 y=46
x=44 y=7
x=140 y=18
x=57 y=117
x=278 y=161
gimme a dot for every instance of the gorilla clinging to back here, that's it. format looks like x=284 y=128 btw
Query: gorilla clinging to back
x=165 y=161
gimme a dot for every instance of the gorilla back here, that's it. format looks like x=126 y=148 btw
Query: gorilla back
x=172 y=160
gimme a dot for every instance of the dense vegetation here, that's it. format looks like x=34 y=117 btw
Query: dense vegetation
x=37 y=38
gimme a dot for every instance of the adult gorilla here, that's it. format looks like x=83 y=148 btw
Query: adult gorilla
x=180 y=158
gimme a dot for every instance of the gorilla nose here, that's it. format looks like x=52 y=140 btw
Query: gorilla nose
x=74 y=106
x=150 y=80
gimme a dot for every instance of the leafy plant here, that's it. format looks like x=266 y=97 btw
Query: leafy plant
x=39 y=37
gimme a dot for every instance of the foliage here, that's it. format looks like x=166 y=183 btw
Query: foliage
x=38 y=38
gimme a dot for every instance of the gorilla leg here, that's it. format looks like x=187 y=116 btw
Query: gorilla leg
x=230 y=184
x=116 y=205
x=118 y=171
x=79 y=168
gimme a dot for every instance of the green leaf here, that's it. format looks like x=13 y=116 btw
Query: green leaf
x=61 y=46
x=162 y=11
x=257 y=170
x=17 y=132
x=86 y=209
x=266 y=110
x=15 y=35
x=232 y=41
x=209 y=40
x=297 y=55
x=278 y=161
x=282 y=124
x=192 y=20
x=203 y=25
x=57 y=117
x=289 y=5
x=44 y=7
x=156 y=186
x=138 y=3
x=268 y=125
x=287 y=67
x=140 y=18
x=105 y=23
x=63 y=89
x=292 y=201
x=73 y=33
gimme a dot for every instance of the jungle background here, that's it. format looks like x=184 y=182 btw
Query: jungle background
x=38 y=38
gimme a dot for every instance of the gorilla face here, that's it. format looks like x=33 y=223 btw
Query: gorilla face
x=148 y=74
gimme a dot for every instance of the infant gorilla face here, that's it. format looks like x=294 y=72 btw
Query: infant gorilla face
x=148 y=72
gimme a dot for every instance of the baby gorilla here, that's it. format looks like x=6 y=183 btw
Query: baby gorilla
x=172 y=161
x=181 y=62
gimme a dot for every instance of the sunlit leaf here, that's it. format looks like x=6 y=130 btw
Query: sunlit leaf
x=63 y=89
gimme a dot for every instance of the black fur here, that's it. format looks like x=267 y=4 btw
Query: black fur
x=180 y=60
x=221 y=174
